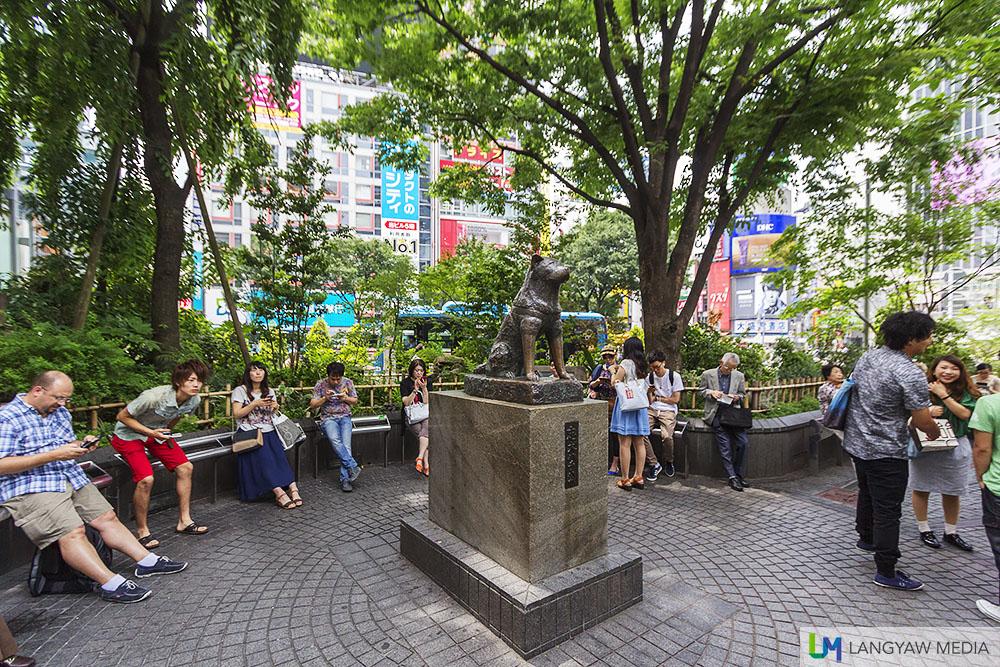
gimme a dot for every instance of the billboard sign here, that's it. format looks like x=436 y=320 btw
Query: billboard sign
x=718 y=292
x=401 y=209
x=743 y=295
x=765 y=326
x=753 y=237
x=267 y=113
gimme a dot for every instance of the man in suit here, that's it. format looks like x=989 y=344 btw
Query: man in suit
x=716 y=383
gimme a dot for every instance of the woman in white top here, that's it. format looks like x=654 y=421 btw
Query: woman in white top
x=632 y=425
x=266 y=468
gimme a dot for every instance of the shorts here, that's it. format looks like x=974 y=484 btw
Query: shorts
x=421 y=429
x=135 y=456
x=47 y=516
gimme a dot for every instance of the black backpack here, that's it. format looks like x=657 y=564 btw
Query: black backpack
x=670 y=378
x=49 y=573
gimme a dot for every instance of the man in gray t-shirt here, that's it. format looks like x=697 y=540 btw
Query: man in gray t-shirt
x=888 y=391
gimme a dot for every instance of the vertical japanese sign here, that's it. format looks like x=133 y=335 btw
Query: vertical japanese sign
x=267 y=113
x=401 y=210
x=718 y=292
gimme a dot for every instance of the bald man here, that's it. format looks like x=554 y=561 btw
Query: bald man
x=50 y=497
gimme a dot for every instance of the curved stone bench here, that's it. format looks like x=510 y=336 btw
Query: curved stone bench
x=778 y=446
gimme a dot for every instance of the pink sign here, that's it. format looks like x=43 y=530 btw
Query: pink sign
x=267 y=112
x=962 y=183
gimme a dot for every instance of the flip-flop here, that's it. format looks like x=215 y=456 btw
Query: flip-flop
x=145 y=542
x=192 y=529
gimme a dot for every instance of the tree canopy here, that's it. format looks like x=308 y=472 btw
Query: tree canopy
x=674 y=113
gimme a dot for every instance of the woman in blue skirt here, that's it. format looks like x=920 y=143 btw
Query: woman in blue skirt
x=264 y=469
x=630 y=425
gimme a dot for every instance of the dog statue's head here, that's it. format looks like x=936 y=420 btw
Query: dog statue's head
x=547 y=269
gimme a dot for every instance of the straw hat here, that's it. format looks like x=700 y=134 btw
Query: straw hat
x=608 y=349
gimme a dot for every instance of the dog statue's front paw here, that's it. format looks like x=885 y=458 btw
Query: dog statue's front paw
x=532 y=377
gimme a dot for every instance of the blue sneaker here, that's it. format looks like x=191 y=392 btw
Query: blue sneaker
x=654 y=472
x=353 y=473
x=901 y=582
x=126 y=593
x=668 y=469
x=163 y=565
x=865 y=546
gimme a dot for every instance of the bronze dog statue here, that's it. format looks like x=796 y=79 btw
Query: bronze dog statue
x=535 y=311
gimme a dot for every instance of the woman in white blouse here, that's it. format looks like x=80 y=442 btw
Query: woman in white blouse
x=265 y=469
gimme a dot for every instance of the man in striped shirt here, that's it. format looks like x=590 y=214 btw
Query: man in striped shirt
x=50 y=497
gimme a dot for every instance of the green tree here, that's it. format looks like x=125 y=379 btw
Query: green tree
x=143 y=69
x=674 y=113
x=286 y=272
x=601 y=255
x=845 y=254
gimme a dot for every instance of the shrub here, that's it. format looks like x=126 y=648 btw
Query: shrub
x=99 y=368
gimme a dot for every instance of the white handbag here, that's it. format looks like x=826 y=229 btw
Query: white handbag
x=417 y=412
x=632 y=395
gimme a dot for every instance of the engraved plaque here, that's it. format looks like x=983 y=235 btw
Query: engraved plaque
x=572 y=454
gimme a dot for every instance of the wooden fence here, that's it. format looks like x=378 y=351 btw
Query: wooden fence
x=760 y=395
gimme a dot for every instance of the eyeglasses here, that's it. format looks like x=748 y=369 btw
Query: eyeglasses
x=59 y=399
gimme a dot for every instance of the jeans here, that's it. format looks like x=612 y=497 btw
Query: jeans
x=991 y=521
x=338 y=432
x=881 y=488
x=732 y=443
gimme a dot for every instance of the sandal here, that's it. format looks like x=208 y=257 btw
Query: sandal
x=192 y=529
x=638 y=482
x=289 y=504
x=624 y=484
x=420 y=465
x=296 y=501
x=145 y=542
x=427 y=471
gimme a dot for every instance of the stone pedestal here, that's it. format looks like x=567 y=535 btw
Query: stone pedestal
x=518 y=507
x=524 y=484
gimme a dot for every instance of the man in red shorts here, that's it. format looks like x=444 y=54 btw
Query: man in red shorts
x=144 y=424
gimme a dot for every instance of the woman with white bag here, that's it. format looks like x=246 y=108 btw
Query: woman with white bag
x=415 y=391
x=262 y=469
x=947 y=471
x=629 y=419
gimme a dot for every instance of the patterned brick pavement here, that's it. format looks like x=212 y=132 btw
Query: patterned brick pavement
x=729 y=579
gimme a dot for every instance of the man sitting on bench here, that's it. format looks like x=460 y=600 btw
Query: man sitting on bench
x=50 y=497
x=145 y=423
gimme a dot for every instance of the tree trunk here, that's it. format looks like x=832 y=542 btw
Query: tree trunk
x=168 y=196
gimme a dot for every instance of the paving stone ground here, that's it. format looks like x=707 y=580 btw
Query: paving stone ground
x=729 y=580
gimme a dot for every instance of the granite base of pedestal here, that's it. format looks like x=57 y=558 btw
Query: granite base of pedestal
x=529 y=617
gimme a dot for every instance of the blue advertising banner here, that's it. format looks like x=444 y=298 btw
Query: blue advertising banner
x=400 y=195
x=753 y=236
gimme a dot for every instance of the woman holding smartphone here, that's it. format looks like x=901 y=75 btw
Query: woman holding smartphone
x=264 y=469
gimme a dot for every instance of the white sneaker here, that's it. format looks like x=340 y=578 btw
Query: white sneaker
x=989 y=610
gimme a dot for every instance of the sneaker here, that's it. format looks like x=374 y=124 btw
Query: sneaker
x=163 y=565
x=901 y=581
x=865 y=546
x=353 y=474
x=345 y=486
x=128 y=592
x=654 y=472
x=668 y=469
x=989 y=610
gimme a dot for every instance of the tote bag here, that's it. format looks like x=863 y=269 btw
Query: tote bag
x=417 y=412
x=632 y=395
x=836 y=414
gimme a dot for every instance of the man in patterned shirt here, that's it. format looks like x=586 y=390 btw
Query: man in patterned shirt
x=888 y=391
x=50 y=497
x=334 y=395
